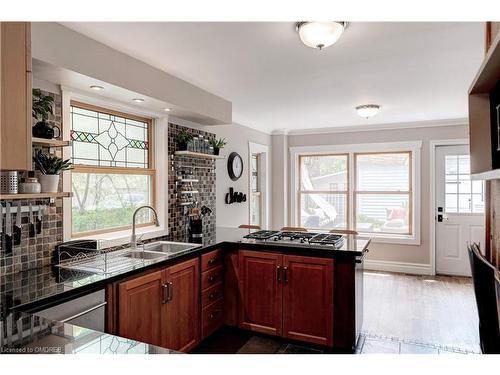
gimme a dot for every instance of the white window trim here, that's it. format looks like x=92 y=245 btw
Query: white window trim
x=257 y=148
x=414 y=146
x=160 y=163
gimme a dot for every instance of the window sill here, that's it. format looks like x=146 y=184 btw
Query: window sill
x=123 y=237
x=392 y=238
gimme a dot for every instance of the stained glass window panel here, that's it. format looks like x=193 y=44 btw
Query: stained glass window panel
x=103 y=139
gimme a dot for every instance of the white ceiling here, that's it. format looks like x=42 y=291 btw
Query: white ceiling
x=415 y=71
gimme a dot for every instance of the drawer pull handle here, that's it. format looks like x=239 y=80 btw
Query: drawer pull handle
x=213 y=277
x=212 y=261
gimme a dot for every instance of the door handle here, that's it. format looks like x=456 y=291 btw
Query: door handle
x=278 y=272
x=165 y=293
x=285 y=274
x=77 y=315
x=170 y=291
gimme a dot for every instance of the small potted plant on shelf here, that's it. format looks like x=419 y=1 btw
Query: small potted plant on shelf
x=43 y=107
x=183 y=138
x=217 y=144
x=50 y=167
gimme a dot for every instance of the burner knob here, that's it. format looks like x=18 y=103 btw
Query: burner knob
x=276 y=238
x=302 y=240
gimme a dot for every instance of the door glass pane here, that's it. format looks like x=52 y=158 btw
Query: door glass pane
x=255 y=209
x=383 y=213
x=323 y=172
x=462 y=195
x=323 y=211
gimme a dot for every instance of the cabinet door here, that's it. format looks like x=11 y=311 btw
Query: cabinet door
x=182 y=312
x=140 y=308
x=15 y=96
x=261 y=303
x=308 y=299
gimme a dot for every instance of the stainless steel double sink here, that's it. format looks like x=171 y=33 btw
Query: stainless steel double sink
x=160 y=249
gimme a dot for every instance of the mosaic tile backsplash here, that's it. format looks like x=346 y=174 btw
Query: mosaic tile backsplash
x=202 y=170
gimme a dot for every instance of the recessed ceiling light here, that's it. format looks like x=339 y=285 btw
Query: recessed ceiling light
x=96 y=87
x=166 y=109
x=138 y=100
x=367 y=110
x=320 y=34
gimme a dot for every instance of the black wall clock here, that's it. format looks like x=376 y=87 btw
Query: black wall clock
x=234 y=166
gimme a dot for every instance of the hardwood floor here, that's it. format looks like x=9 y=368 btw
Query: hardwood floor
x=435 y=311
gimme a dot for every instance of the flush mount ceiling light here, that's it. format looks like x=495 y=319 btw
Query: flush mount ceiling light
x=367 y=110
x=138 y=100
x=96 y=87
x=166 y=109
x=320 y=34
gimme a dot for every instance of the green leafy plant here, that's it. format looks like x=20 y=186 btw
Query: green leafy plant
x=184 y=136
x=50 y=165
x=218 y=143
x=43 y=105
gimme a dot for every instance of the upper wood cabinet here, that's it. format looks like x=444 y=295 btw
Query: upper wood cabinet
x=15 y=96
x=484 y=94
x=162 y=308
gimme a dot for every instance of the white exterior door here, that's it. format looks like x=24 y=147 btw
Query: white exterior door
x=459 y=210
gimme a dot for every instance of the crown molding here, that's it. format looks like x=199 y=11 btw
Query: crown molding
x=375 y=127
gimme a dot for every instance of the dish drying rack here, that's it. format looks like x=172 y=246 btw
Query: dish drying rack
x=101 y=256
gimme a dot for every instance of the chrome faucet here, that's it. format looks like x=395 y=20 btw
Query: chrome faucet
x=133 y=238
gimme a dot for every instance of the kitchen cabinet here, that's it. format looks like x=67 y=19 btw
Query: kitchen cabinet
x=182 y=322
x=162 y=307
x=308 y=299
x=15 y=96
x=285 y=295
x=212 y=292
x=141 y=308
x=260 y=309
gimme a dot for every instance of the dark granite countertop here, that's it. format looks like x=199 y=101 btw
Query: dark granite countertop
x=32 y=289
x=30 y=334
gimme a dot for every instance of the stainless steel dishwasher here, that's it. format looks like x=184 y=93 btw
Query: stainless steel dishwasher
x=87 y=311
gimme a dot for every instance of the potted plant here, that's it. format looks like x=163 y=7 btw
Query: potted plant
x=42 y=106
x=183 y=138
x=50 y=167
x=217 y=144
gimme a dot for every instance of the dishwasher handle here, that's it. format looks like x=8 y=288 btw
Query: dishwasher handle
x=77 y=315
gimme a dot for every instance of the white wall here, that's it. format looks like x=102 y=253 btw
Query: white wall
x=415 y=257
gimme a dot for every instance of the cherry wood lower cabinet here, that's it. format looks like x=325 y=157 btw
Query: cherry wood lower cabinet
x=286 y=295
x=260 y=309
x=308 y=299
x=162 y=308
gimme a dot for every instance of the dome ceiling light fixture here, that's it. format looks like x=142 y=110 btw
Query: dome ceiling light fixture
x=320 y=34
x=367 y=110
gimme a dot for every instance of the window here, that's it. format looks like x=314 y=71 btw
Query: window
x=113 y=172
x=461 y=194
x=323 y=192
x=382 y=195
x=255 y=194
x=370 y=188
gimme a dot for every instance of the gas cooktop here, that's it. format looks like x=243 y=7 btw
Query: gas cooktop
x=311 y=238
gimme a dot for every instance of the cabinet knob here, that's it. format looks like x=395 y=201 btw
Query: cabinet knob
x=213 y=277
x=212 y=261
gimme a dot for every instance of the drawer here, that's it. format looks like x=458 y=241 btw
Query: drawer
x=211 y=318
x=211 y=294
x=211 y=260
x=211 y=277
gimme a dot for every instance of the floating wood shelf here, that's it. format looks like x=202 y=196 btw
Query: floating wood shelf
x=198 y=155
x=187 y=180
x=189 y=192
x=34 y=196
x=49 y=142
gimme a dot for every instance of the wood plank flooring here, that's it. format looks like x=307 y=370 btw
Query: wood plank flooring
x=438 y=311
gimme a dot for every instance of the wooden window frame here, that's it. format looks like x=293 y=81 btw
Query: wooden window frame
x=256 y=194
x=300 y=192
x=150 y=171
x=409 y=193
